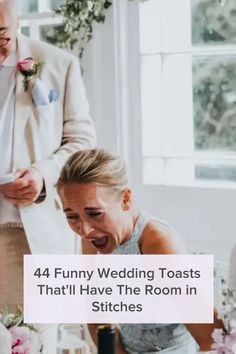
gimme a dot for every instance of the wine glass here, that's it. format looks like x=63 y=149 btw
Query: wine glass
x=72 y=339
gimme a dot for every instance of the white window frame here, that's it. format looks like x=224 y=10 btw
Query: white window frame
x=164 y=167
x=128 y=109
x=34 y=20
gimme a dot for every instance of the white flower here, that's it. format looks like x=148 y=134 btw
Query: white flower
x=90 y=5
x=224 y=311
x=25 y=341
x=5 y=340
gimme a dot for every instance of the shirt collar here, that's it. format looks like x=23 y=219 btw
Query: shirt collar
x=10 y=61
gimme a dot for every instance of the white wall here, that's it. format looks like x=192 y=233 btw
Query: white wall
x=205 y=217
x=98 y=69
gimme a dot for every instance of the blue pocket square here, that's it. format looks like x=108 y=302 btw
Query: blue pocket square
x=53 y=95
x=41 y=95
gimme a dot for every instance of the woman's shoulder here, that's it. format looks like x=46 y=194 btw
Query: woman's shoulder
x=159 y=237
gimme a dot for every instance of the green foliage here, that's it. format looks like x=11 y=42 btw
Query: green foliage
x=79 y=17
x=10 y=320
x=212 y=23
x=214 y=76
x=215 y=103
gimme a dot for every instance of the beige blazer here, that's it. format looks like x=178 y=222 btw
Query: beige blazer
x=46 y=135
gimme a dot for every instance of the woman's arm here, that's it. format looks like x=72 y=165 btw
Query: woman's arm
x=202 y=332
x=155 y=241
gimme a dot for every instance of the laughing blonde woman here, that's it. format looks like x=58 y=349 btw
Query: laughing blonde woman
x=98 y=203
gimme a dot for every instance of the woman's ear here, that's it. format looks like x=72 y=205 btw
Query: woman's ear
x=126 y=199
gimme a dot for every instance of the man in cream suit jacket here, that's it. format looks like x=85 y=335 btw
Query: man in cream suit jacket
x=40 y=126
x=44 y=137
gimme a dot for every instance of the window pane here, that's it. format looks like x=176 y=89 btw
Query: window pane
x=214 y=96
x=216 y=172
x=48 y=33
x=189 y=172
x=56 y=3
x=188 y=95
x=25 y=31
x=29 y=6
x=213 y=21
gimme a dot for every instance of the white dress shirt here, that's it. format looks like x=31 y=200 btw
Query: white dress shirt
x=9 y=213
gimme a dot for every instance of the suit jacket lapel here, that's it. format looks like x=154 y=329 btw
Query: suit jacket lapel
x=23 y=100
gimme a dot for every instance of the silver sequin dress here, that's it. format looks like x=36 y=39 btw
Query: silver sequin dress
x=153 y=338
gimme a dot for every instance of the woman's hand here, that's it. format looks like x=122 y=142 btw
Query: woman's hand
x=26 y=188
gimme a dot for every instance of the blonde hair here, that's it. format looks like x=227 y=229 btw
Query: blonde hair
x=94 y=166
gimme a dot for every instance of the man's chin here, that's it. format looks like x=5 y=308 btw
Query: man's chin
x=4 y=53
x=7 y=49
x=3 y=56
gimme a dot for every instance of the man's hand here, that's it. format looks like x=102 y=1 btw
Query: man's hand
x=26 y=187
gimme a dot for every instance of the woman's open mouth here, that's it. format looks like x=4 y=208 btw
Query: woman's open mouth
x=100 y=242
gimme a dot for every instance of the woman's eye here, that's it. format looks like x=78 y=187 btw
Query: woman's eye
x=95 y=215
x=72 y=217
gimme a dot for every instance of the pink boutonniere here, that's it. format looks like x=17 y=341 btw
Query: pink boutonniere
x=28 y=68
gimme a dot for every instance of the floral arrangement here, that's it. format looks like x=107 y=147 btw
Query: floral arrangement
x=16 y=337
x=28 y=68
x=225 y=341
